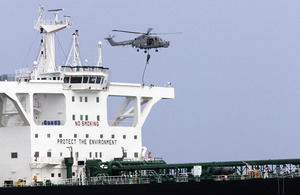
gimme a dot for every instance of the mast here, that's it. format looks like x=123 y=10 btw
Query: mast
x=46 y=59
x=74 y=52
x=99 y=63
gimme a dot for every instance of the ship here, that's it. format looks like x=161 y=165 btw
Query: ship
x=56 y=136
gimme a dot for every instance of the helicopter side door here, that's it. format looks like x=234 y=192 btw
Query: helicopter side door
x=150 y=41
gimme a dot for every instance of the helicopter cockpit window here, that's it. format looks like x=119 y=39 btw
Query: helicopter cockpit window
x=92 y=80
x=66 y=79
x=76 y=79
x=98 y=80
x=85 y=79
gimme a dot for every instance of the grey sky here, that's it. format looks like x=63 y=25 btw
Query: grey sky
x=235 y=69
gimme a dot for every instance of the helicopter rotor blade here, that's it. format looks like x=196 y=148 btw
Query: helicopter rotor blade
x=111 y=36
x=165 y=33
x=128 y=31
x=148 y=31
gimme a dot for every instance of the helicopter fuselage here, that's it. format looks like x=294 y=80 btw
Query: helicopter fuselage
x=144 y=41
x=149 y=42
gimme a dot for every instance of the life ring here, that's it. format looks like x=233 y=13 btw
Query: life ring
x=35 y=184
x=255 y=173
x=223 y=177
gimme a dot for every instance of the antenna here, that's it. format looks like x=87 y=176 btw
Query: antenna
x=74 y=52
x=55 y=10
x=99 y=63
x=55 y=14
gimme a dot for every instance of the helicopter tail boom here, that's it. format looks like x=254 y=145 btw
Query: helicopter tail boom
x=113 y=43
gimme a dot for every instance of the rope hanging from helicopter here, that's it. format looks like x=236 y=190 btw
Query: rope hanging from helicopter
x=147 y=62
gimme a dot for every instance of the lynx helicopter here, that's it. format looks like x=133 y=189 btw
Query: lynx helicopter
x=144 y=41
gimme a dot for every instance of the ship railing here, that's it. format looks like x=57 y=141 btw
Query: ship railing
x=84 y=86
x=83 y=69
x=21 y=74
x=260 y=175
x=183 y=177
x=152 y=176
x=229 y=177
x=47 y=22
x=114 y=180
x=69 y=182
x=237 y=177
x=283 y=175
x=47 y=160
x=63 y=182
x=7 y=77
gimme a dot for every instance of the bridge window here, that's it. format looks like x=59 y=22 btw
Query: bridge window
x=76 y=79
x=66 y=79
x=92 y=80
x=136 y=155
x=85 y=79
x=98 y=80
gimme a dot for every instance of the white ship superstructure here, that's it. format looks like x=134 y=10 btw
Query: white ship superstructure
x=53 y=112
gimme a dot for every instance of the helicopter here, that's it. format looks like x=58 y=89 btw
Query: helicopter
x=144 y=41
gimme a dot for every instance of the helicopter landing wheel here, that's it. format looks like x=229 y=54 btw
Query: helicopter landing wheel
x=156 y=50
x=145 y=51
x=137 y=50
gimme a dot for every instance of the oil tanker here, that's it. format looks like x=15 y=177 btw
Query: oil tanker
x=56 y=136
